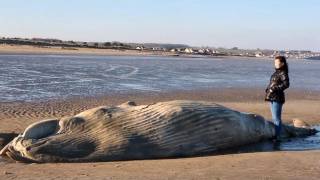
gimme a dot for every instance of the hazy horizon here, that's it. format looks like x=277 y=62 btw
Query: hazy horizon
x=285 y=25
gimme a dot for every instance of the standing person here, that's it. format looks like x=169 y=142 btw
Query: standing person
x=279 y=81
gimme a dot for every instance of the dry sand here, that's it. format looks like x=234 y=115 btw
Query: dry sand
x=256 y=165
x=27 y=49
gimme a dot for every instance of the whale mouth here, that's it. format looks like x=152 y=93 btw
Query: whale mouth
x=34 y=133
x=12 y=154
x=50 y=139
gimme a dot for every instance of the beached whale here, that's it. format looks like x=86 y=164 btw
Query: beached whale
x=126 y=132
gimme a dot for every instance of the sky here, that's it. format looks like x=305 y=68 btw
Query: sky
x=249 y=24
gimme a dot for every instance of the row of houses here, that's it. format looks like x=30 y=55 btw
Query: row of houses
x=289 y=54
x=206 y=51
x=299 y=54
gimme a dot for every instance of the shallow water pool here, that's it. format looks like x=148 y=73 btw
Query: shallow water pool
x=292 y=144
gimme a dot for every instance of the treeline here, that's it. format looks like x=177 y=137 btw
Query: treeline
x=60 y=43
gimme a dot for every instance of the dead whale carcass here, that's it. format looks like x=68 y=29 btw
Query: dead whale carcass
x=128 y=131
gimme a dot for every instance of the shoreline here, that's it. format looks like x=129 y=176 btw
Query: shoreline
x=56 y=50
x=228 y=94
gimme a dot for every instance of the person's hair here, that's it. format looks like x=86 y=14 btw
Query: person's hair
x=285 y=66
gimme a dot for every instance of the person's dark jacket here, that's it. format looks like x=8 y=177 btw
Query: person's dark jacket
x=279 y=81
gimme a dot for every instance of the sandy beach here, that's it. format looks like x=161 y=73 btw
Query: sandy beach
x=71 y=73
x=256 y=165
x=26 y=49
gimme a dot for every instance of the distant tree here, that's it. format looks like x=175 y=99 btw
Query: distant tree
x=107 y=44
x=115 y=44
x=85 y=44
x=235 y=48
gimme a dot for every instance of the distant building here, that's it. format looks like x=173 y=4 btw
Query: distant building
x=157 y=49
x=215 y=51
x=188 y=50
x=139 y=48
x=201 y=51
x=175 y=50
x=259 y=54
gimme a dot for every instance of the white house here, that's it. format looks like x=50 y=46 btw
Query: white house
x=139 y=48
x=259 y=54
x=188 y=50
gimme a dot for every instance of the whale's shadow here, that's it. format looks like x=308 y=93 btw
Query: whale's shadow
x=290 y=144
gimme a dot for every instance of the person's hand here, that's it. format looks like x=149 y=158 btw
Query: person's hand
x=269 y=90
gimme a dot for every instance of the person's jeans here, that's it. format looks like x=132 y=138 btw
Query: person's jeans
x=276 y=109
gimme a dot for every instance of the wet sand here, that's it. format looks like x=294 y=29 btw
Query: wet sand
x=257 y=165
